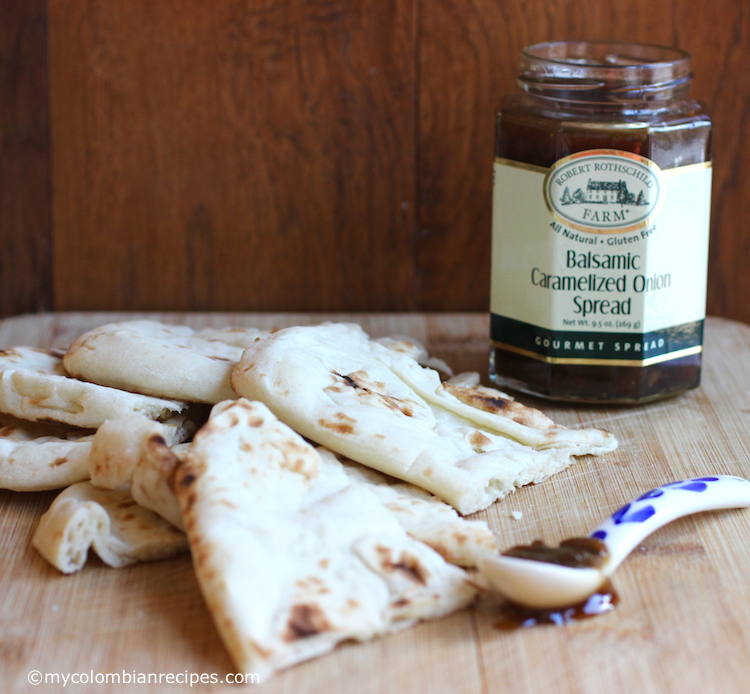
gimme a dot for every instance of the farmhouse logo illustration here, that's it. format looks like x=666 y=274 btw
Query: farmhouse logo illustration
x=603 y=191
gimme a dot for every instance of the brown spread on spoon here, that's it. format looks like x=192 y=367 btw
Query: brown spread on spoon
x=576 y=552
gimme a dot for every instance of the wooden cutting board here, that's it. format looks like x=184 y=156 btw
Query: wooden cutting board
x=683 y=623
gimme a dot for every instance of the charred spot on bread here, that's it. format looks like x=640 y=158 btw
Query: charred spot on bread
x=337 y=427
x=305 y=621
x=360 y=383
x=157 y=440
x=478 y=440
x=505 y=407
x=407 y=564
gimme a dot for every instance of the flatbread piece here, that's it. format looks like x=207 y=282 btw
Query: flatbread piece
x=336 y=387
x=108 y=521
x=35 y=386
x=38 y=456
x=289 y=563
x=168 y=361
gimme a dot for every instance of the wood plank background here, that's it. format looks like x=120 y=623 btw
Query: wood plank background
x=300 y=155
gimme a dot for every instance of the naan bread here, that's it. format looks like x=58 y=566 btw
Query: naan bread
x=422 y=515
x=109 y=521
x=153 y=484
x=37 y=456
x=492 y=410
x=336 y=387
x=34 y=386
x=468 y=379
x=238 y=337
x=289 y=562
x=152 y=358
x=119 y=445
x=413 y=348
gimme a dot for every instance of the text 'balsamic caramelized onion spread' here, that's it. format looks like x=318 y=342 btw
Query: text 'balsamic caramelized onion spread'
x=601 y=203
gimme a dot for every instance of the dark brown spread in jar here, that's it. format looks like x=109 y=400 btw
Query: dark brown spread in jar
x=600 y=225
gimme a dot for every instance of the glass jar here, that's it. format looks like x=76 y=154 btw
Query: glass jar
x=601 y=205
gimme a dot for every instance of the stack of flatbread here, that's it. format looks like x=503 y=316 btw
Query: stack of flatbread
x=293 y=556
x=48 y=419
x=321 y=499
x=52 y=401
x=163 y=360
x=469 y=446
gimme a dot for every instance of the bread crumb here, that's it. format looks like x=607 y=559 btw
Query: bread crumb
x=516 y=515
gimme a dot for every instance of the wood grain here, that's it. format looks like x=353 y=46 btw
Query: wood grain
x=683 y=623
x=469 y=52
x=233 y=155
x=301 y=155
x=25 y=224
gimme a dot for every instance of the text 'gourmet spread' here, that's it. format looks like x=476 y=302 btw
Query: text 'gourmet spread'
x=601 y=205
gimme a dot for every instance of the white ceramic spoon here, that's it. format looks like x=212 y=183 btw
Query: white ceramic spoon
x=546 y=586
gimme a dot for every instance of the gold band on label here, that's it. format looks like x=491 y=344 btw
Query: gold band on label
x=601 y=362
x=686 y=169
x=544 y=169
x=521 y=165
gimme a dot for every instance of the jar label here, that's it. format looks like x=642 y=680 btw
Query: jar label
x=603 y=191
x=600 y=259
